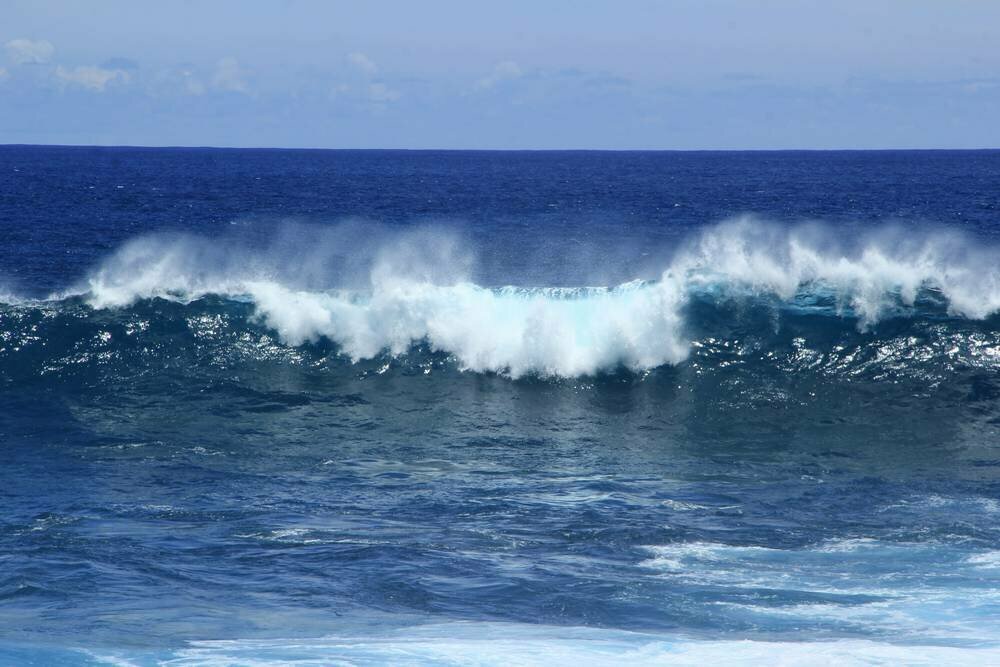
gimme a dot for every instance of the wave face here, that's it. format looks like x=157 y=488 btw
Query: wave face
x=414 y=292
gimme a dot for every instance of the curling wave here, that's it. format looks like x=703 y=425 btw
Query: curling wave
x=418 y=291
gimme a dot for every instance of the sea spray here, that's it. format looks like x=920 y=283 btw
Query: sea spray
x=419 y=289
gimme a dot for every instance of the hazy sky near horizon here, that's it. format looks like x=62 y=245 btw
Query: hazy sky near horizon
x=519 y=74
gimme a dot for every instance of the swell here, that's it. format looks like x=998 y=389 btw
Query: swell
x=772 y=292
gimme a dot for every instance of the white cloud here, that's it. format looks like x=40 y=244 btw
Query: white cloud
x=362 y=62
x=381 y=93
x=28 y=52
x=90 y=77
x=230 y=76
x=3 y=73
x=506 y=70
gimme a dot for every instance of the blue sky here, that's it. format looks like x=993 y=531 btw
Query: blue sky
x=517 y=74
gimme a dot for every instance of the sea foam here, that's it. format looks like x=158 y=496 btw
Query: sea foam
x=419 y=287
x=479 y=643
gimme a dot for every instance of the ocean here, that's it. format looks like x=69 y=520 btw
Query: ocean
x=563 y=408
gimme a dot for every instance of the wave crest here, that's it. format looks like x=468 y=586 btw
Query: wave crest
x=508 y=330
x=417 y=288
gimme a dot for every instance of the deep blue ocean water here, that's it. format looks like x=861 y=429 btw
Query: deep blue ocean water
x=380 y=407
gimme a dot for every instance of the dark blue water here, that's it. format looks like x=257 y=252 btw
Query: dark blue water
x=472 y=407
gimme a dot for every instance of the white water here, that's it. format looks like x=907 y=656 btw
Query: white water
x=417 y=287
x=933 y=593
x=468 y=643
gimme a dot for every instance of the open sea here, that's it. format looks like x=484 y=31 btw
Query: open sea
x=499 y=408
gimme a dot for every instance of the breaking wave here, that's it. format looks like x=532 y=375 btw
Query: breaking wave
x=418 y=288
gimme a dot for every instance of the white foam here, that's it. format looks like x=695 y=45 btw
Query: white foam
x=467 y=643
x=987 y=559
x=933 y=591
x=7 y=296
x=511 y=331
x=869 y=275
x=417 y=289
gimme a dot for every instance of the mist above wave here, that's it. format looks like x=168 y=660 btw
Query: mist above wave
x=370 y=290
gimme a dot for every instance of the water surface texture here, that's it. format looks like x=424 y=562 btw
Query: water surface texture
x=378 y=407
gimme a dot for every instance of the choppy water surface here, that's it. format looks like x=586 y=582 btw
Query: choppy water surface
x=491 y=408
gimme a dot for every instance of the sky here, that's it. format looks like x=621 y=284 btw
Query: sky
x=518 y=74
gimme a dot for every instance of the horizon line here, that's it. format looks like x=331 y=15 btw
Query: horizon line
x=501 y=150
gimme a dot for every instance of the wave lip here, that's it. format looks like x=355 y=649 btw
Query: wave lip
x=872 y=275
